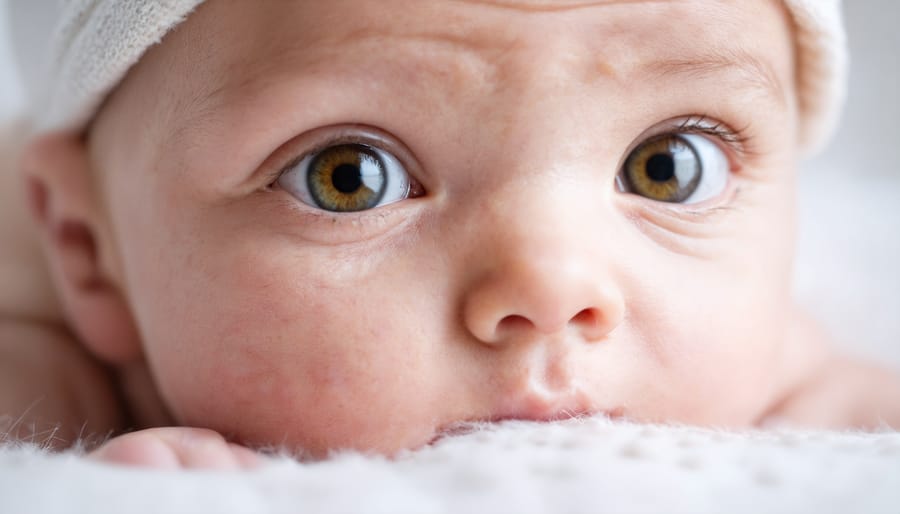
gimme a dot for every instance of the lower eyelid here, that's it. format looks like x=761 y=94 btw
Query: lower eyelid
x=326 y=227
x=702 y=213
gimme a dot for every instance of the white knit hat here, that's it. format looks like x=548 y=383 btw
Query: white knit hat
x=94 y=44
x=821 y=43
x=97 y=41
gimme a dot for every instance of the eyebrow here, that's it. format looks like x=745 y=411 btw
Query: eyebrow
x=756 y=72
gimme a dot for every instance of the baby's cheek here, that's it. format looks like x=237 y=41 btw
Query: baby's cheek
x=709 y=343
x=302 y=366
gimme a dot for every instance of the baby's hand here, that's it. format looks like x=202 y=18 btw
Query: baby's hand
x=177 y=448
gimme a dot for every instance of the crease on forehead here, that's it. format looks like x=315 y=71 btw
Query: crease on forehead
x=452 y=54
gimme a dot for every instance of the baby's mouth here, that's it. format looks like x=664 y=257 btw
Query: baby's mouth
x=476 y=424
x=530 y=401
x=540 y=403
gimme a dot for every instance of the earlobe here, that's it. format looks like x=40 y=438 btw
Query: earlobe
x=64 y=204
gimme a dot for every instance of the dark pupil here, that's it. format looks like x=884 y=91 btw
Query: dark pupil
x=661 y=168
x=346 y=178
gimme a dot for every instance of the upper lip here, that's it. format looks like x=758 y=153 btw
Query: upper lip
x=542 y=405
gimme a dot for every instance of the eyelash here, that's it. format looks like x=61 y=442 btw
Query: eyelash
x=344 y=136
x=736 y=139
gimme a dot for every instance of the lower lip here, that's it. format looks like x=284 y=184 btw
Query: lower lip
x=473 y=425
x=615 y=413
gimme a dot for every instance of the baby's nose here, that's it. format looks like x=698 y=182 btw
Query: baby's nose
x=540 y=287
x=530 y=298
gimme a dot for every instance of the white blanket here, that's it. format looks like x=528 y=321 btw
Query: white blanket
x=589 y=466
x=579 y=466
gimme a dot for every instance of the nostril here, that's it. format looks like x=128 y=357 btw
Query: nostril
x=586 y=317
x=594 y=324
x=514 y=323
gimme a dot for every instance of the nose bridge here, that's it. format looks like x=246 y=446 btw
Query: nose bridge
x=541 y=121
x=540 y=222
x=542 y=228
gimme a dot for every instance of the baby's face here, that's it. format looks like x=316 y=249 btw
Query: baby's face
x=355 y=223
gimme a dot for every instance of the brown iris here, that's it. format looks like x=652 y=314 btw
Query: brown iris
x=347 y=178
x=665 y=169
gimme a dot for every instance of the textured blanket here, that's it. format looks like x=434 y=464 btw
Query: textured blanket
x=579 y=466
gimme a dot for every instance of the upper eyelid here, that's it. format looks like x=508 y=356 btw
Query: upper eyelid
x=294 y=151
x=734 y=142
x=702 y=124
x=295 y=157
x=737 y=139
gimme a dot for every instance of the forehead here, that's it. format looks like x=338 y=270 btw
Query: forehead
x=229 y=37
x=460 y=49
x=619 y=31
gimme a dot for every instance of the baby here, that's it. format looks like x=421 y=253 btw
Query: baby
x=356 y=224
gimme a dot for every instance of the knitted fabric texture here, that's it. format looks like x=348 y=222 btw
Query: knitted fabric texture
x=822 y=71
x=97 y=41
x=94 y=45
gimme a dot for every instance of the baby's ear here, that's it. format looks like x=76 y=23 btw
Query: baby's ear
x=74 y=234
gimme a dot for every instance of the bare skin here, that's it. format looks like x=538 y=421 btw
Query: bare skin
x=515 y=280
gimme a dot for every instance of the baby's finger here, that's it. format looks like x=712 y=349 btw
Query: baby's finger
x=177 y=448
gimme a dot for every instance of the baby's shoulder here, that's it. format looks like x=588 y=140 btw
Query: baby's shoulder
x=835 y=390
x=847 y=394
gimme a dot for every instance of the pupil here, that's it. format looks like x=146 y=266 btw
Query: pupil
x=346 y=178
x=661 y=168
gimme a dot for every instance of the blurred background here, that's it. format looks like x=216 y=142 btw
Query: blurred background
x=848 y=262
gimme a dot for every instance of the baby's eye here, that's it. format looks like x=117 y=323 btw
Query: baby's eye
x=347 y=178
x=676 y=168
